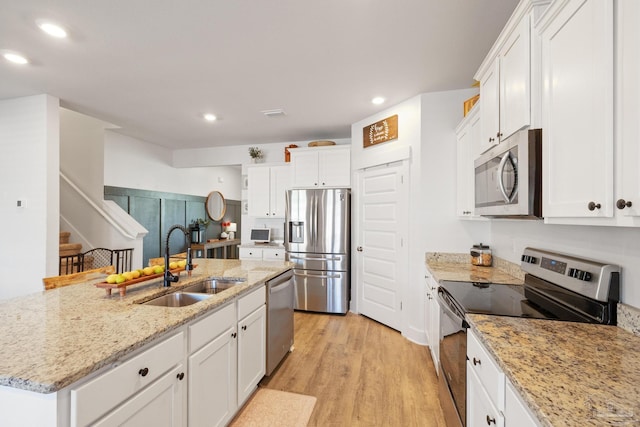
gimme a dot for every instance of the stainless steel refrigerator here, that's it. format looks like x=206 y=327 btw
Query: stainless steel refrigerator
x=317 y=240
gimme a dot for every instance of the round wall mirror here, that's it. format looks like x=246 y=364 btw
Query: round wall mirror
x=216 y=206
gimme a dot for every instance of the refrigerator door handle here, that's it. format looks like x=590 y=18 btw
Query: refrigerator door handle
x=318 y=276
x=315 y=259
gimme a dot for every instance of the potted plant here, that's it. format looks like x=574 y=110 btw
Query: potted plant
x=256 y=154
x=197 y=228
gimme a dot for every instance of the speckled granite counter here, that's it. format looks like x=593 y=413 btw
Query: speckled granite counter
x=569 y=374
x=457 y=267
x=54 y=338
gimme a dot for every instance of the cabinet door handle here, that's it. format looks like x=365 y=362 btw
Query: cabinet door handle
x=233 y=335
x=592 y=206
x=143 y=372
x=476 y=362
x=490 y=420
x=622 y=203
x=244 y=327
x=180 y=376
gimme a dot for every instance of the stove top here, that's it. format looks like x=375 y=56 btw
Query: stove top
x=493 y=298
x=556 y=286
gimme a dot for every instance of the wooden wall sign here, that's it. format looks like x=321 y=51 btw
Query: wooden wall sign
x=381 y=131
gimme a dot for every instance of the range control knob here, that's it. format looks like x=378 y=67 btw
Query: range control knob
x=529 y=259
x=585 y=276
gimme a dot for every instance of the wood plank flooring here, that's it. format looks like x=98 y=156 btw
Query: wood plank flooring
x=361 y=372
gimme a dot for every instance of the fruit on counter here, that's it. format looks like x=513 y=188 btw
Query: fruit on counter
x=148 y=271
x=135 y=274
x=158 y=269
x=127 y=275
x=182 y=263
x=111 y=278
x=120 y=279
x=173 y=264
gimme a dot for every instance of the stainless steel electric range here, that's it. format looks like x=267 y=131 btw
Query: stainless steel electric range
x=556 y=286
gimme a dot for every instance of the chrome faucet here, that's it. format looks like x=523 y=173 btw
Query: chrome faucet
x=168 y=276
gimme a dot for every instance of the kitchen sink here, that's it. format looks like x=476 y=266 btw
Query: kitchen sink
x=177 y=299
x=213 y=285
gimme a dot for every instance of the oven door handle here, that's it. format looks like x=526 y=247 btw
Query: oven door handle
x=444 y=306
x=503 y=163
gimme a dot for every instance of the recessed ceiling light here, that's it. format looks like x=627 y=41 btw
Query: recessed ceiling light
x=377 y=100
x=277 y=112
x=15 y=58
x=209 y=117
x=52 y=29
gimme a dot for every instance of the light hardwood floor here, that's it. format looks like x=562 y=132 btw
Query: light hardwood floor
x=361 y=372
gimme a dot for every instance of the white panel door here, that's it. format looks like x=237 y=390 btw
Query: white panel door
x=490 y=107
x=382 y=261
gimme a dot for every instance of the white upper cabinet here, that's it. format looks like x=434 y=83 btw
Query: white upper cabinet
x=468 y=148
x=267 y=188
x=627 y=178
x=505 y=78
x=577 y=109
x=322 y=167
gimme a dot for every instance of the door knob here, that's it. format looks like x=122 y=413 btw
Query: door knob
x=592 y=206
x=359 y=249
x=622 y=203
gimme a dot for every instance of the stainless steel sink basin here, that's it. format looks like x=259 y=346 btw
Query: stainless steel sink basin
x=213 y=285
x=177 y=299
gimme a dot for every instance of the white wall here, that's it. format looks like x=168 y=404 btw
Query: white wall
x=616 y=245
x=426 y=128
x=235 y=155
x=133 y=163
x=29 y=142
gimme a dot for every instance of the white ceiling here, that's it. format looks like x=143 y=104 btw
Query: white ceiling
x=153 y=67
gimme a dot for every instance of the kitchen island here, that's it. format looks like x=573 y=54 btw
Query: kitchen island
x=52 y=339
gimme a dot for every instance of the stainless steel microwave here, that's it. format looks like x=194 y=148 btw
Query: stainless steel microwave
x=508 y=177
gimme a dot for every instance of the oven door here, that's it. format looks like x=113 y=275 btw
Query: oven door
x=453 y=361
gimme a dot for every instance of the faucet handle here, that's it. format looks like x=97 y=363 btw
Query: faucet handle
x=189 y=265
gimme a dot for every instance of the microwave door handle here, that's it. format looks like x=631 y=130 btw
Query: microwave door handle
x=503 y=164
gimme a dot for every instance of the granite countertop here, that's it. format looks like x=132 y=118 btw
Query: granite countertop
x=51 y=339
x=569 y=374
x=457 y=267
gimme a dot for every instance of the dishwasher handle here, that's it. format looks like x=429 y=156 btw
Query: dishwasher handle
x=280 y=286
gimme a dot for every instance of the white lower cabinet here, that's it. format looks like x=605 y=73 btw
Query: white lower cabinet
x=266 y=254
x=227 y=369
x=199 y=376
x=161 y=404
x=212 y=369
x=491 y=398
x=432 y=318
x=516 y=412
x=252 y=345
x=132 y=387
x=481 y=411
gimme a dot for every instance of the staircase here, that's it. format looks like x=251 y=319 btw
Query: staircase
x=66 y=249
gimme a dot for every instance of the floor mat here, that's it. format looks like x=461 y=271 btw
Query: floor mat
x=269 y=407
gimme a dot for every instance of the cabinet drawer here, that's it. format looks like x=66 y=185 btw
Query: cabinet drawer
x=273 y=254
x=250 y=253
x=251 y=302
x=94 y=398
x=487 y=370
x=211 y=326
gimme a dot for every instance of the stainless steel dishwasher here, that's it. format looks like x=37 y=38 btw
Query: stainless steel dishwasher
x=279 y=319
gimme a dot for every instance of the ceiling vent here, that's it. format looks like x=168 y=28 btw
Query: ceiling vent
x=279 y=112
